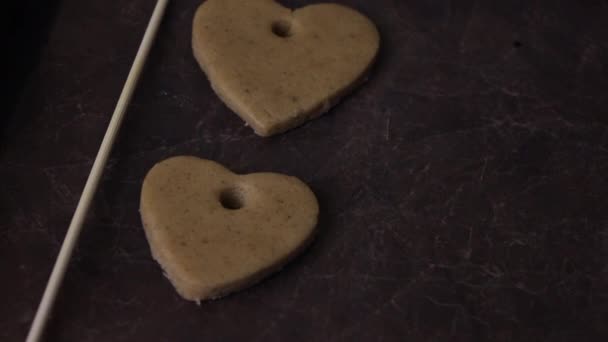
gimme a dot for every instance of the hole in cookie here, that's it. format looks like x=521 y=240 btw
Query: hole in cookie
x=231 y=199
x=281 y=29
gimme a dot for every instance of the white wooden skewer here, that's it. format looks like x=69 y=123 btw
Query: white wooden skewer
x=71 y=237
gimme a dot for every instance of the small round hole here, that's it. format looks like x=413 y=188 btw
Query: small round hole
x=231 y=199
x=516 y=44
x=281 y=29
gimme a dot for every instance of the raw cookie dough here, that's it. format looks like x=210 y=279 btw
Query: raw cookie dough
x=214 y=232
x=277 y=68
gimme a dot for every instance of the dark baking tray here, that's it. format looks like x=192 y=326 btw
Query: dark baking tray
x=463 y=189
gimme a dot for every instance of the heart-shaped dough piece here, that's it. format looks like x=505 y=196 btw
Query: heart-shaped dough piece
x=215 y=232
x=277 y=68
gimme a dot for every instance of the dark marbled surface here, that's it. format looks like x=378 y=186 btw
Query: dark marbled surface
x=464 y=189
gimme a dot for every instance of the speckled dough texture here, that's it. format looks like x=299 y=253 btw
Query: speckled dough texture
x=206 y=246
x=276 y=67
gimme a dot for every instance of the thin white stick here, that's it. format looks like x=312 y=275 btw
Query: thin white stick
x=71 y=237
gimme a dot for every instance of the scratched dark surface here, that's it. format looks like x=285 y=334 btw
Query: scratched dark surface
x=463 y=189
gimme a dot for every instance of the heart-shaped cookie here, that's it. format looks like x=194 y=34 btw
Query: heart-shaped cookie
x=276 y=67
x=215 y=232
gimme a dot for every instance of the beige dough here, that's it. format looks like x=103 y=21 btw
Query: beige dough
x=215 y=232
x=277 y=68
